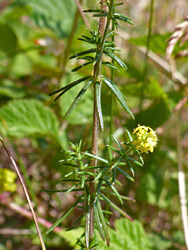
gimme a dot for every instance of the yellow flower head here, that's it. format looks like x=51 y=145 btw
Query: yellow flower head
x=7 y=180
x=145 y=139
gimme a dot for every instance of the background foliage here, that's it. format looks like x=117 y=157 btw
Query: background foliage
x=36 y=132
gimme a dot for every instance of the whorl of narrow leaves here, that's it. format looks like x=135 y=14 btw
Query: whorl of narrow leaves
x=101 y=46
x=180 y=33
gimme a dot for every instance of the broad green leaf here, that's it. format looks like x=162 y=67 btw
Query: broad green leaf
x=52 y=14
x=118 y=94
x=154 y=116
x=22 y=118
x=127 y=236
x=8 y=41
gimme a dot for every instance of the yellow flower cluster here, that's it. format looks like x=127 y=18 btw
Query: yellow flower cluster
x=145 y=139
x=7 y=180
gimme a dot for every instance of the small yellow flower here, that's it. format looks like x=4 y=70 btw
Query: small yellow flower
x=7 y=180
x=145 y=139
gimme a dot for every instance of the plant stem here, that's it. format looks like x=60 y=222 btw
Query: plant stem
x=146 y=55
x=181 y=182
x=103 y=29
x=26 y=193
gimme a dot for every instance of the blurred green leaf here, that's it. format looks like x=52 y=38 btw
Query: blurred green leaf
x=159 y=242
x=8 y=41
x=55 y=15
x=127 y=236
x=22 y=118
x=10 y=89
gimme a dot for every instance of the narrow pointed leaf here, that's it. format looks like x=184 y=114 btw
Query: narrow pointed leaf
x=81 y=66
x=87 y=220
x=115 y=207
x=72 y=188
x=96 y=157
x=129 y=135
x=125 y=174
x=78 y=98
x=130 y=166
x=99 y=108
x=115 y=191
x=117 y=59
x=69 y=86
x=102 y=173
x=95 y=10
x=102 y=219
x=118 y=144
x=98 y=222
x=84 y=53
x=112 y=33
x=110 y=65
x=122 y=18
x=100 y=15
x=135 y=161
x=63 y=216
x=118 y=94
x=113 y=176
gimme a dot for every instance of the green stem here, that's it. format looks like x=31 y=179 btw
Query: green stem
x=146 y=54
